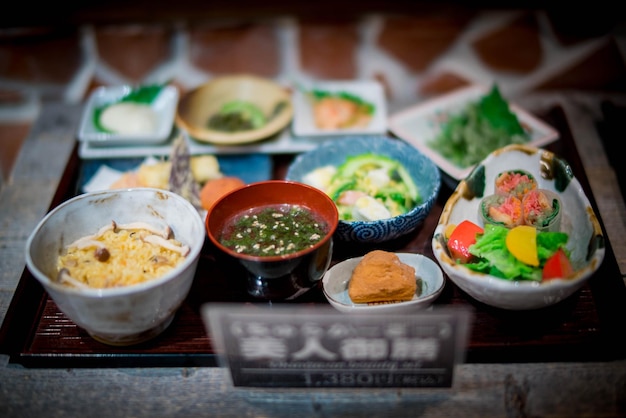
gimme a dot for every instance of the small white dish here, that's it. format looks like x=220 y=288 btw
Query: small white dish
x=586 y=241
x=336 y=280
x=420 y=124
x=164 y=107
x=369 y=91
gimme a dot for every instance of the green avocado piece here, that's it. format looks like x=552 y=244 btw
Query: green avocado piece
x=355 y=162
x=247 y=110
x=397 y=170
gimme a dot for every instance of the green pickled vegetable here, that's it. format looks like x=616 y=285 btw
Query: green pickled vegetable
x=482 y=127
x=236 y=116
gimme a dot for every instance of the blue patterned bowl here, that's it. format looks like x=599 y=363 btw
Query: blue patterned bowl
x=424 y=172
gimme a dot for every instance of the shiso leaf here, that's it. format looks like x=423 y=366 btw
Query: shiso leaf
x=496 y=110
x=366 y=106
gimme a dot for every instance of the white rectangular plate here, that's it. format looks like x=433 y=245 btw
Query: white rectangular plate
x=164 y=106
x=369 y=91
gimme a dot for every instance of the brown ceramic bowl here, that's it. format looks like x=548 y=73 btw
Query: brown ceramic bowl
x=197 y=106
x=273 y=275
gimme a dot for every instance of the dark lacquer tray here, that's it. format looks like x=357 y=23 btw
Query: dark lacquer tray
x=589 y=326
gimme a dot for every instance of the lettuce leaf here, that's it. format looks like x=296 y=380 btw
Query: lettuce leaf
x=493 y=257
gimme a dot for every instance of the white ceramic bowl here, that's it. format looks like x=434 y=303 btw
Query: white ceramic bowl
x=123 y=315
x=586 y=241
x=336 y=280
x=424 y=172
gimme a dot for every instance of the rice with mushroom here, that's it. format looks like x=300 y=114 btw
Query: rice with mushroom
x=131 y=259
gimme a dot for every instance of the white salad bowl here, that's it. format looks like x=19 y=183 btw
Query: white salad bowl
x=120 y=315
x=337 y=278
x=424 y=173
x=578 y=220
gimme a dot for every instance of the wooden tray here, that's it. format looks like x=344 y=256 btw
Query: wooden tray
x=589 y=326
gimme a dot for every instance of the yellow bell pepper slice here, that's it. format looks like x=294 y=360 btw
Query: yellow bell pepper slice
x=521 y=241
x=448 y=231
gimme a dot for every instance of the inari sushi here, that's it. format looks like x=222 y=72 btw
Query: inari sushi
x=542 y=209
x=501 y=210
x=515 y=183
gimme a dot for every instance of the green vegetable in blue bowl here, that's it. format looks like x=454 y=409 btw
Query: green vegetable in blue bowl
x=383 y=187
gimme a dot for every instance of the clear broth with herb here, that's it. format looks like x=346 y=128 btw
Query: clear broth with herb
x=273 y=230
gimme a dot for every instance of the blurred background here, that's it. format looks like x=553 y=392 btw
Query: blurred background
x=60 y=51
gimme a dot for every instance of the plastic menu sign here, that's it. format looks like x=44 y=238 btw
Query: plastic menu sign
x=315 y=346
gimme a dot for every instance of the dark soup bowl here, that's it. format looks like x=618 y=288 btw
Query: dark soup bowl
x=280 y=231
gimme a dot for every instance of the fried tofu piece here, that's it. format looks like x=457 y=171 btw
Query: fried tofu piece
x=381 y=277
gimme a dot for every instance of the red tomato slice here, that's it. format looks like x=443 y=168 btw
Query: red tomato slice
x=461 y=238
x=558 y=266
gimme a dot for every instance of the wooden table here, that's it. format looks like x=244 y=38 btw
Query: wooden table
x=540 y=383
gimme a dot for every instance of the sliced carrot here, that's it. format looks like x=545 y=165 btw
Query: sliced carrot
x=213 y=190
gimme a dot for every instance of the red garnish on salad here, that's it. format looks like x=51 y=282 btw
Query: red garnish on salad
x=460 y=240
x=558 y=266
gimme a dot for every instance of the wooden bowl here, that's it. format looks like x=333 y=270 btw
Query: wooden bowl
x=196 y=107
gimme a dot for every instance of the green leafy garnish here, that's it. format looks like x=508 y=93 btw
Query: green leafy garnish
x=496 y=110
x=483 y=126
x=143 y=94
x=364 y=106
x=399 y=195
